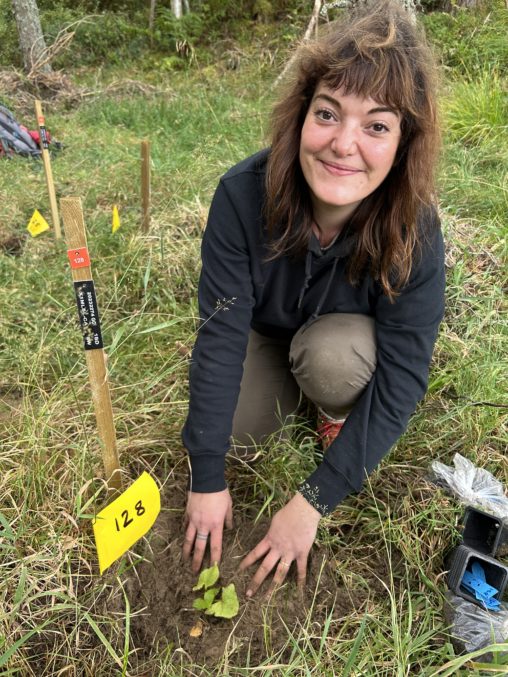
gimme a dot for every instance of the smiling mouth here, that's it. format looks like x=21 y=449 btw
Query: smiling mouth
x=339 y=170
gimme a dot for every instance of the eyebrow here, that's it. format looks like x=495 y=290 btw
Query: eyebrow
x=376 y=109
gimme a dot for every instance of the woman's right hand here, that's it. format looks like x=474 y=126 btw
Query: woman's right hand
x=205 y=517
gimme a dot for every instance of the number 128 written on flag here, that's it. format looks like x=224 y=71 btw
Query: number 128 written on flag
x=126 y=519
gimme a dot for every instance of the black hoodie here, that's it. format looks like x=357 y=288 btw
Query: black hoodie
x=239 y=290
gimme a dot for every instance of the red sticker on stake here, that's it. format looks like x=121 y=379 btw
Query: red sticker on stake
x=78 y=257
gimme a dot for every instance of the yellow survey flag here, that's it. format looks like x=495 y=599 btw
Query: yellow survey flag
x=37 y=224
x=126 y=519
x=115 y=224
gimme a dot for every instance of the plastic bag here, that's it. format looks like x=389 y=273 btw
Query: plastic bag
x=472 y=627
x=472 y=485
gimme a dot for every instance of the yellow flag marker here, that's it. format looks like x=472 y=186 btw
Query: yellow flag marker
x=37 y=224
x=115 y=225
x=126 y=519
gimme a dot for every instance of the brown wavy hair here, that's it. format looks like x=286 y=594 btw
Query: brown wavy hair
x=376 y=51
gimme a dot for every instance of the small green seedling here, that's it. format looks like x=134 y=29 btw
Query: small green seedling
x=226 y=607
x=207 y=578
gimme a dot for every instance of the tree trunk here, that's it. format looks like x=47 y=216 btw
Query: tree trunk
x=176 y=8
x=151 y=19
x=31 y=39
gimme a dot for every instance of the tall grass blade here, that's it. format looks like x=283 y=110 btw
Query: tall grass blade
x=6 y=531
x=104 y=640
x=450 y=668
x=354 y=651
x=22 y=640
x=158 y=327
x=20 y=590
x=127 y=632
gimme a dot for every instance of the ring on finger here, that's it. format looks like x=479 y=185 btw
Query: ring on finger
x=284 y=564
x=201 y=537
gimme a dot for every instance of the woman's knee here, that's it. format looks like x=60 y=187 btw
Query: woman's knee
x=268 y=392
x=333 y=360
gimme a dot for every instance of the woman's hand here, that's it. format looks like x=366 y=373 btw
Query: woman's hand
x=205 y=517
x=289 y=538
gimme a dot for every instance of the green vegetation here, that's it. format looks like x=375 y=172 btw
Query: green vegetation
x=201 y=118
x=117 y=33
x=225 y=607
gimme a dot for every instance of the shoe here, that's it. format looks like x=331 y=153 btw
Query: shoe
x=328 y=429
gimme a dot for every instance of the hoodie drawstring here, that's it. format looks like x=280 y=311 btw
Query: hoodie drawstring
x=324 y=295
x=308 y=275
x=326 y=290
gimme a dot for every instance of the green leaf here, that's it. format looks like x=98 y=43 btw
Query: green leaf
x=207 y=578
x=227 y=606
x=210 y=595
x=6 y=530
x=206 y=601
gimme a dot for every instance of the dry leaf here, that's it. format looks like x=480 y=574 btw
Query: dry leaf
x=182 y=349
x=196 y=630
x=68 y=542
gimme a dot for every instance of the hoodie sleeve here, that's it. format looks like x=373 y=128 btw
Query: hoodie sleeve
x=225 y=305
x=406 y=331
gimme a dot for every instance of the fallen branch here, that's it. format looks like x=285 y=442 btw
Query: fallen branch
x=61 y=43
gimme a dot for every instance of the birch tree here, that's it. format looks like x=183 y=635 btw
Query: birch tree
x=176 y=8
x=31 y=40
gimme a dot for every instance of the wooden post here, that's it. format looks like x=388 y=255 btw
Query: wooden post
x=75 y=237
x=43 y=142
x=145 y=185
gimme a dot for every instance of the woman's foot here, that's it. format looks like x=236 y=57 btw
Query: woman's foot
x=328 y=428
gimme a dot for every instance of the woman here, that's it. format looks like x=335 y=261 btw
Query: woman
x=322 y=273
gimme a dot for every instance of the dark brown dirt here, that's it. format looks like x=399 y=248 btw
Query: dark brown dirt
x=12 y=245
x=161 y=598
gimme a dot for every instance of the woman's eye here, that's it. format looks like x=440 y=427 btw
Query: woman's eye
x=324 y=114
x=379 y=128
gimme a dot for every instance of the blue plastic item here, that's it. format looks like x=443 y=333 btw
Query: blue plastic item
x=474 y=581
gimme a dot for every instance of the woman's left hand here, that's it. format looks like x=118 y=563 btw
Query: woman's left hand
x=289 y=538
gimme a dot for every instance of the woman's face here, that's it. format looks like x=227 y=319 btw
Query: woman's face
x=347 y=147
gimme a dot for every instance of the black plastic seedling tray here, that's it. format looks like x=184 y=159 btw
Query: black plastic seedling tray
x=483 y=532
x=462 y=559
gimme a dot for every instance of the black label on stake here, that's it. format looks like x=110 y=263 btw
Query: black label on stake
x=44 y=136
x=88 y=314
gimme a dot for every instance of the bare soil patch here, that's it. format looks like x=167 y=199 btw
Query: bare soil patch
x=161 y=598
x=12 y=244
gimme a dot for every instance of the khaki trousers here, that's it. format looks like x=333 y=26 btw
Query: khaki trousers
x=330 y=361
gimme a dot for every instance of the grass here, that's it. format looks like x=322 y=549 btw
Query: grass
x=53 y=604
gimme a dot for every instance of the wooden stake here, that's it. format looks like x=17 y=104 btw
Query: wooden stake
x=75 y=237
x=145 y=185
x=47 y=168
